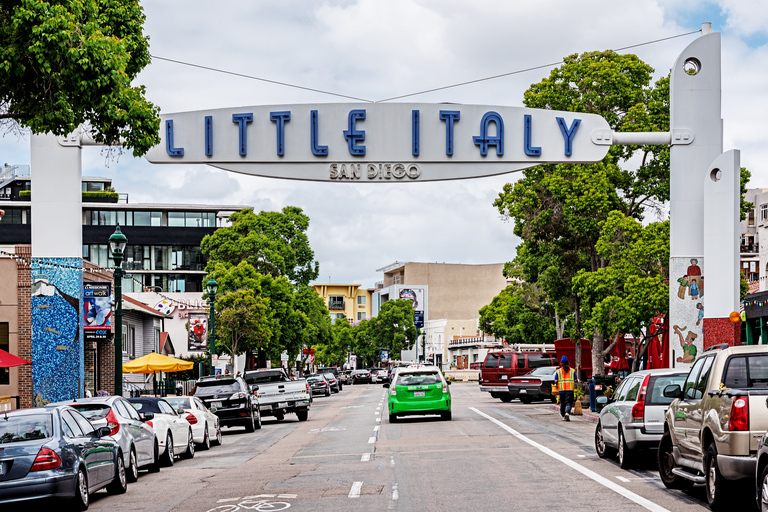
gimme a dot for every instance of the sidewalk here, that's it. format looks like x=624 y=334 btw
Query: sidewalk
x=586 y=413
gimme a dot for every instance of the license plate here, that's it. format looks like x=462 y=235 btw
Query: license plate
x=419 y=393
x=523 y=392
x=503 y=377
x=216 y=405
x=282 y=404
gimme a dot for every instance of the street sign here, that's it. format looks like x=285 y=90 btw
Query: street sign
x=379 y=143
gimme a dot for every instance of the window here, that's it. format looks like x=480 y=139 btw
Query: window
x=764 y=211
x=633 y=390
x=521 y=361
x=176 y=219
x=505 y=360
x=656 y=386
x=14 y=216
x=361 y=300
x=337 y=316
x=336 y=302
x=492 y=361
x=701 y=382
x=747 y=372
x=141 y=219
x=165 y=408
x=360 y=315
x=122 y=409
x=539 y=360
x=751 y=218
x=132 y=341
x=689 y=391
x=93 y=186
x=84 y=424
x=5 y=344
x=70 y=426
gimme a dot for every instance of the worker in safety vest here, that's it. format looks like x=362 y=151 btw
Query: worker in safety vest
x=565 y=379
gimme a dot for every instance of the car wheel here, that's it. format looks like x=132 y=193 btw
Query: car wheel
x=168 y=455
x=327 y=391
x=119 y=484
x=155 y=466
x=82 y=497
x=666 y=463
x=133 y=466
x=250 y=425
x=601 y=448
x=526 y=399
x=206 y=444
x=718 y=488
x=625 y=455
x=393 y=418
x=762 y=491
x=190 y=453
x=505 y=397
x=258 y=420
x=280 y=416
x=446 y=415
x=219 y=437
x=302 y=415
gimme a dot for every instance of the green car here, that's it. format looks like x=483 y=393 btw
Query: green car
x=418 y=391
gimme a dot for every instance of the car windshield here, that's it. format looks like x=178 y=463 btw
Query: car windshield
x=93 y=411
x=26 y=427
x=544 y=370
x=418 y=378
x=179 y=402
x=216 y=387
x=145 y=405
x=360 y=372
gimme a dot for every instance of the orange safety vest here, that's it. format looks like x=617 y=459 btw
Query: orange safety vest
x=566 y=381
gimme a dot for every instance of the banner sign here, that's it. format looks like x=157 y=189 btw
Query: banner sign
x=97 y=307
x=381 y=142
x=197 y=339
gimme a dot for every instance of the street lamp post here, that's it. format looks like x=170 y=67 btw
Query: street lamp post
x=212 y=287
x=117 y=245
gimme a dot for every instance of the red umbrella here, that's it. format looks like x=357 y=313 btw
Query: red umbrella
x=8 y=360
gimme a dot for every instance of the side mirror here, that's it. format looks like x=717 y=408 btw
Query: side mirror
x=448 y=382
x=385 y=385
x=213 y=410
x=602 y=399
x=103 y=431
x=673 y=391
x=146 y=416
x=254 y=388
x=180 y=411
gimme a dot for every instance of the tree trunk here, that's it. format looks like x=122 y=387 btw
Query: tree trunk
x=559 y=327
x=598 y=367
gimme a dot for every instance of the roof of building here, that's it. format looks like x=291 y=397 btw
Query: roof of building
x=130 y=304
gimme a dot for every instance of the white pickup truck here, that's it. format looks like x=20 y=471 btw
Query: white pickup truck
x=278 y=395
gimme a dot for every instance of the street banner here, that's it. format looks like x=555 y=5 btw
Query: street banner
x=384 y=355
x=198 y=332
x=97 y=306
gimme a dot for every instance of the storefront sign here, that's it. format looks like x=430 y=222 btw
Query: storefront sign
x=380 y=143
x=97 y=307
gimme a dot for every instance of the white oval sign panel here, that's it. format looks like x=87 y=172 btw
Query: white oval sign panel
x=381 y=143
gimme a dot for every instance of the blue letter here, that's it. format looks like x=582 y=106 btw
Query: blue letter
x=568 y=133
x=208 y=135
x=280 y=118
x=415 y=132
x=484 y=140
x=172 y=151
x=316 y=150
x=353 y=135
x=449 y=116
x=529 y=150
x=242 y=120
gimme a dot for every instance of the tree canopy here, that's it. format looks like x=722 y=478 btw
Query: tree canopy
x=66 y=63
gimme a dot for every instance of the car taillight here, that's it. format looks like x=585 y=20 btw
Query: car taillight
x=323 y=382
x=238 y=396
x=112 y=423
x=393 y=391
x=46 y=459
x=445 y=387
x=149 y=423
x=739 y=415
x=191 y=419
x=638 y=410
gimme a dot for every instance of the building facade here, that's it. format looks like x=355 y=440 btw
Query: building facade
x=349 y=301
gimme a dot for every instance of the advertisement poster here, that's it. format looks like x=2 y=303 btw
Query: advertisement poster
x=97 y=310
x=384 y=355
x=197 y=339
x=416 y=295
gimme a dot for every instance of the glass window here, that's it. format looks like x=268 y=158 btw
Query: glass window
x=656 y=385
x=194 y=219
x=5 y=373
x=633 y=390
x=160 y=258
x=619 y=390
x=764 y=212
x=418 y=379
x=701 y=382
x=84 y=424
x=131 y=410
x=70 y=426
x=179 y=402
x=176 y=219
x=521 y=361
x=690 y=382
x=129 y=218
x=361 y=300
x=121 y=409
x=86 y=252
x=93 y=411
x=144 y=405
x=539 y=360
x=120 y=217
x=505 y=360
x=26 y=427
x=141 y=218
x=492 y=361
x=360 y=315
x=13 y=216
x=165 y=408
x=157 y=218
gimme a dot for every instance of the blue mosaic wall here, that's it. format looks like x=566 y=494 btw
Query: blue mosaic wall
x=57 y=336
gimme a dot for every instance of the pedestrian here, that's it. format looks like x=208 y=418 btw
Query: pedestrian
x=565 y=379
x=87 y=391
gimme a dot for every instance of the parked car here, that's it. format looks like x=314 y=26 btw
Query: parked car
x=360 y=376
x=319 y=385
x=534 y=385
x=137 y=440
x=231 y=400
x=633 y=417
x=332 y=381
x=278 y=395
x=517 y=360
x=55 y=452
x=418 y=391
x=174 y=433
x=203 y=421
x=382 y=375
x=336 y=374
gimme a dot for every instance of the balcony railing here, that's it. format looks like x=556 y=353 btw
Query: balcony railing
x=336 y=305
x=749 y=248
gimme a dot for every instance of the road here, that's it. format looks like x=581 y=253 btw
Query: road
x=348 y=457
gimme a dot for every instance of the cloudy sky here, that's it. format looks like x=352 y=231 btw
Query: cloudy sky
x=376 y=49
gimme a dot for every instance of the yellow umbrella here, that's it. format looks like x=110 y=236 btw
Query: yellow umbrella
x=154 y=362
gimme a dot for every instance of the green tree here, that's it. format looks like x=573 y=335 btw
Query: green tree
x=273 y=243
x=64 y=63
x=242 y=323
x=393 y=328
x=519 y=314
x=342 y=341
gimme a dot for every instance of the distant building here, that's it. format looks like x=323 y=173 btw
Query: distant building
x=348 y=301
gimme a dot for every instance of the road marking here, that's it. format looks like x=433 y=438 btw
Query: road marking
x=284 y=496
x=392 y=460
x=378 y=420
x=366 y=457
x=224 y=500
x=625 y=480
x=371 y=440
x=395 y=494
x=377 y=413
x=643 y=502
x=376 y=428
x=355 y=491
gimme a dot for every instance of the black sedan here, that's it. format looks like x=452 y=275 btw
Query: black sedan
x=359 y=376
x=319 y=385
x=534 y=385
x=56 y=452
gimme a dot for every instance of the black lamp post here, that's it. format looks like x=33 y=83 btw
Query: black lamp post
x=212 y=287
x=117 y=245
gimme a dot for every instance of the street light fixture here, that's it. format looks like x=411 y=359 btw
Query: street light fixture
x=117 y=245
x=212 y=287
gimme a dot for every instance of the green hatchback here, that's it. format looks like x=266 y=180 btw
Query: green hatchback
x=419 y=391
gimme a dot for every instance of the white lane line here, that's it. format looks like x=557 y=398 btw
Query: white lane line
x=366 y=457
x=392 y=460
x=376 y=428
x=378 y=420
x=643 y=502
x=621 y=478
x=395 y=494
x=355 y=491
x=371 y=440
x=285 y=496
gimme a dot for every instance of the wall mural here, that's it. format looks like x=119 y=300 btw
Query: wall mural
x=686 y=306
x=57 y=349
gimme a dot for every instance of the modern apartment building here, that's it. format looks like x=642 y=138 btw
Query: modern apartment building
x=348 y=301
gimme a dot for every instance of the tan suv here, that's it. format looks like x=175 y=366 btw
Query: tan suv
x=712 y=429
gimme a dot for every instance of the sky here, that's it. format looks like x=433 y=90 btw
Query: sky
x=375 y=50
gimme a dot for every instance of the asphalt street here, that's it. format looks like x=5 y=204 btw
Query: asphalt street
x=347 y=456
